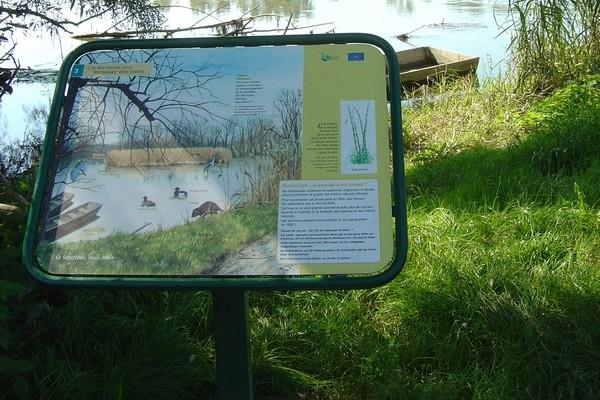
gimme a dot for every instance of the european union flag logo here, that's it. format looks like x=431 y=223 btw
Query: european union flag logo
x=356 y=56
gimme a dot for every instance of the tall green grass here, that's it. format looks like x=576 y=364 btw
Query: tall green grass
x=547 y=151
x=554 y=41
x=122 y=345
x=500 y=298
x=456 y=115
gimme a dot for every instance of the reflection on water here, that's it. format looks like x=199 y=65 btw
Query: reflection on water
x=148 y=199
x=387 y=18
x=402 y=6
x=255 y=7
x=467 y=26
x=473 y=7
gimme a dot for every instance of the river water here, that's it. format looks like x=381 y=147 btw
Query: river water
x=468 y=26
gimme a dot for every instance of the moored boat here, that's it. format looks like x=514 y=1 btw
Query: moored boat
x=60 y=203
x=72 y=220
x=421 y=64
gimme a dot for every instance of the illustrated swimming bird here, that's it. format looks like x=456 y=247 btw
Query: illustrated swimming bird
x=179 y=194
x=148 y=203
x=205 y=209
x=78 y=170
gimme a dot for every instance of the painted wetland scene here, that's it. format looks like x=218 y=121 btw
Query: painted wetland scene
x=168 y=161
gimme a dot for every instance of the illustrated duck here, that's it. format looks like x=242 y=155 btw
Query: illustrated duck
x=148 y=203
x=179 y=194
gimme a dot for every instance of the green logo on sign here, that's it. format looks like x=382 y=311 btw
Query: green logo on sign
x=326 y=57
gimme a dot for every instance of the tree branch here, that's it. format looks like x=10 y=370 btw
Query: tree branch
x=125 y=88
x=240 y=23
x=288 y=23
x=26 y=11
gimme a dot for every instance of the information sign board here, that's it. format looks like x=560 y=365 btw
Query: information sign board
x=249 y=162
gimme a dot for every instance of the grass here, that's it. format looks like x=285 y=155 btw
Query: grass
x=126 y=348
x=456 y=115
x=551 y=148
x=186 y=249
x=555 y=41
x=499 y=299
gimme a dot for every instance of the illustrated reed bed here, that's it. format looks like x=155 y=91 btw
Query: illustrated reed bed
x=265 y=189
x=262 y=174
x=167 y=156
x=263 y=182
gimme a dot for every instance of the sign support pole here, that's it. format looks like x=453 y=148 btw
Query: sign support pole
x=232 y=344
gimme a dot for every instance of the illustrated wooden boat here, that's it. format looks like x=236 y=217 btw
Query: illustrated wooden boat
x=72 y=220
x=60 y=203
x=421 y=64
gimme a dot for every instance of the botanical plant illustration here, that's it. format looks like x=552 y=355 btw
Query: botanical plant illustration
x=358 y=123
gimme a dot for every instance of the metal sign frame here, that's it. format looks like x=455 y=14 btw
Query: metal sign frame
x=235 y=282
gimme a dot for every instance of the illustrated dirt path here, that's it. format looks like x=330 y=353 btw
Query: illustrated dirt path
x=258 y=258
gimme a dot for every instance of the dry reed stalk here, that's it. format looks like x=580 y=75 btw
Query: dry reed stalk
x=167 y=156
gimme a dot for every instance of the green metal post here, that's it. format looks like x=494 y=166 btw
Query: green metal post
x=232 y=343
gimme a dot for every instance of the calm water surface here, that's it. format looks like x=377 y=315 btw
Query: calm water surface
x=469 y=26
x=121 y=192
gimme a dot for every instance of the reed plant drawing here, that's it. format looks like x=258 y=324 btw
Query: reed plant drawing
x=358 y=120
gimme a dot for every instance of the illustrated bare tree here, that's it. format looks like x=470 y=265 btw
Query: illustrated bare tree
x=141 y=111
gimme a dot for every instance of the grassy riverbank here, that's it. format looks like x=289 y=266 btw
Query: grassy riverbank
x=499 y=299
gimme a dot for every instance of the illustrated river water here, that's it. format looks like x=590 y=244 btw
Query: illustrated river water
x=121 y=193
